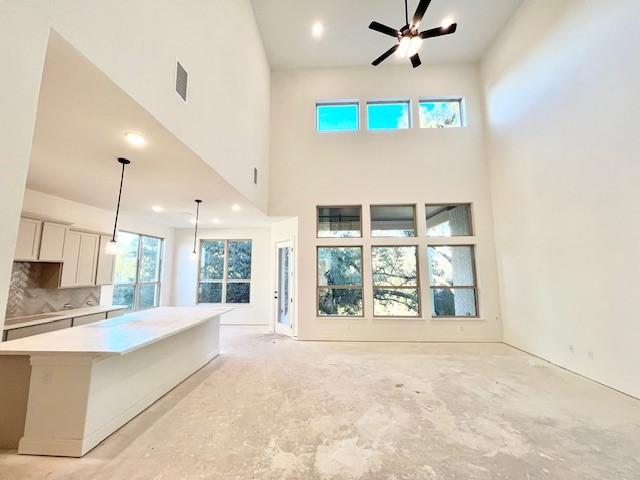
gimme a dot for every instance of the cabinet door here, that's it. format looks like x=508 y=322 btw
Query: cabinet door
x=37 y=329
x=105 y=263
x=87 y=259
x=87 y=319
x=70 y=259
x=28 y=241
x=52 y=245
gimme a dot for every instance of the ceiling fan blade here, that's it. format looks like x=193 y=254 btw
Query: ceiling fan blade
x=420 y=11
x=415 y=61
x=378 y=27
x=385 y=55
x=438 y=32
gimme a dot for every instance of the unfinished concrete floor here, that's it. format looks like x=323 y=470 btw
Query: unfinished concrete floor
x=273 y=408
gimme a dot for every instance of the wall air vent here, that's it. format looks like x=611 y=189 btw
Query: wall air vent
x=181 y=81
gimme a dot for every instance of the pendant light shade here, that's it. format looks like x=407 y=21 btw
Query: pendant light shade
x=194 y=254
x=112 y=246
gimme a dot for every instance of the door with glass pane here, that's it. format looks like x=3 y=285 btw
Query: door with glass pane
x=284 y=289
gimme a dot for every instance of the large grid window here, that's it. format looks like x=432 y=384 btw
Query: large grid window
x=395 y=281
x=225 y=271
x=137 y=271
x=389 y=115
x=440 y=113
x=453 y=281
x=337 y=117
x=340 y=282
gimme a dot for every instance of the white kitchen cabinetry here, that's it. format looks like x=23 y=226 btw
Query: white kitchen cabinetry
x=28 y=241
x=52 y=244
x=87 y=319
x=87 y=259
x=38 y=329
x=106 y=263
x=79 y=259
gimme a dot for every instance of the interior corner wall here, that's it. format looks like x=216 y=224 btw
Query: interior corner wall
x=415 y=166
x=185 y=282
x=87 y=217
x=562 y=93
x=23 y=44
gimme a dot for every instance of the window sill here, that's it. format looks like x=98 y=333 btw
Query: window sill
x=230 y=305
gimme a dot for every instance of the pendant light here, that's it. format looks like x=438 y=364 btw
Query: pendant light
x=112 y=246
x=194 y=254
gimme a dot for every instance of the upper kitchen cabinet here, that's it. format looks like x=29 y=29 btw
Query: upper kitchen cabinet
x=106 y=262
x=52 y=244
x=40 y=240
x=28 y=241
x=79 y=259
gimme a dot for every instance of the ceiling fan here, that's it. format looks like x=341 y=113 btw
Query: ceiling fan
x=409 y=37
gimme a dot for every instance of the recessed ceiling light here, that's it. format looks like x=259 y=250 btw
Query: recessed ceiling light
x=216 y=220
x=135 y=139
x=447 y=22
x=235 y=207
x=317 y=29
x=157 y=208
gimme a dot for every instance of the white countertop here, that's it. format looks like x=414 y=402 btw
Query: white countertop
x=115 y=336
x=31 y=320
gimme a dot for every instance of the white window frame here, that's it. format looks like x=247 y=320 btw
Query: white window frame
x=225 y=280
x=138 y=284
x=338 y=103
x=392 y=101
x=459 y=100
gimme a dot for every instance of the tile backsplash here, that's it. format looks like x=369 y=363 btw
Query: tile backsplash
x=24 y=300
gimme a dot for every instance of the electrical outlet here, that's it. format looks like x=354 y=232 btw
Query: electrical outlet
x=590 y=355
x=571 y=349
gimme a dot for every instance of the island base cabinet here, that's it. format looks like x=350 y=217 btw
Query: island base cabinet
x=76 y=401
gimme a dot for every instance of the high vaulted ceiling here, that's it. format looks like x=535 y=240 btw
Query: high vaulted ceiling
x=80 y=126
x=285 y=26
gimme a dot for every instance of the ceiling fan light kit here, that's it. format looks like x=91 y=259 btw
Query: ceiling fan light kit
x=409 y=37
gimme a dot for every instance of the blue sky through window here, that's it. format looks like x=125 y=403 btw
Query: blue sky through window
x=388 y=116
x=440 y=114
x=337 y=118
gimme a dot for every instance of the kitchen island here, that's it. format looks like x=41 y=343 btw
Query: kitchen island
x=88 y=381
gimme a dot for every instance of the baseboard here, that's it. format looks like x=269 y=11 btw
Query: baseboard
x=53 y=447
x=572 y=371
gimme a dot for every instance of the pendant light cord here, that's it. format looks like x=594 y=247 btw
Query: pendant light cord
x=115 y=225
x=195 y=235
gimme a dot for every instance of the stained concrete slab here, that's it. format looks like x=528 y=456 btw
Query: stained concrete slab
x=273 y=408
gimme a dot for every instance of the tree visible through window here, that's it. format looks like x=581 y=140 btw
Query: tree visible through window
x=395 y=281
x=340 y=281
x=453 y=281
x=440 y=114
x=137 y=271
x=225 y=271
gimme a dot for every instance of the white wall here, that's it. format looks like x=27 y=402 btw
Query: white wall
x=413 y=166
x=96 y=219
x=258 y=312
x=562 y=89
x=23 y=42
x=136 y=44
